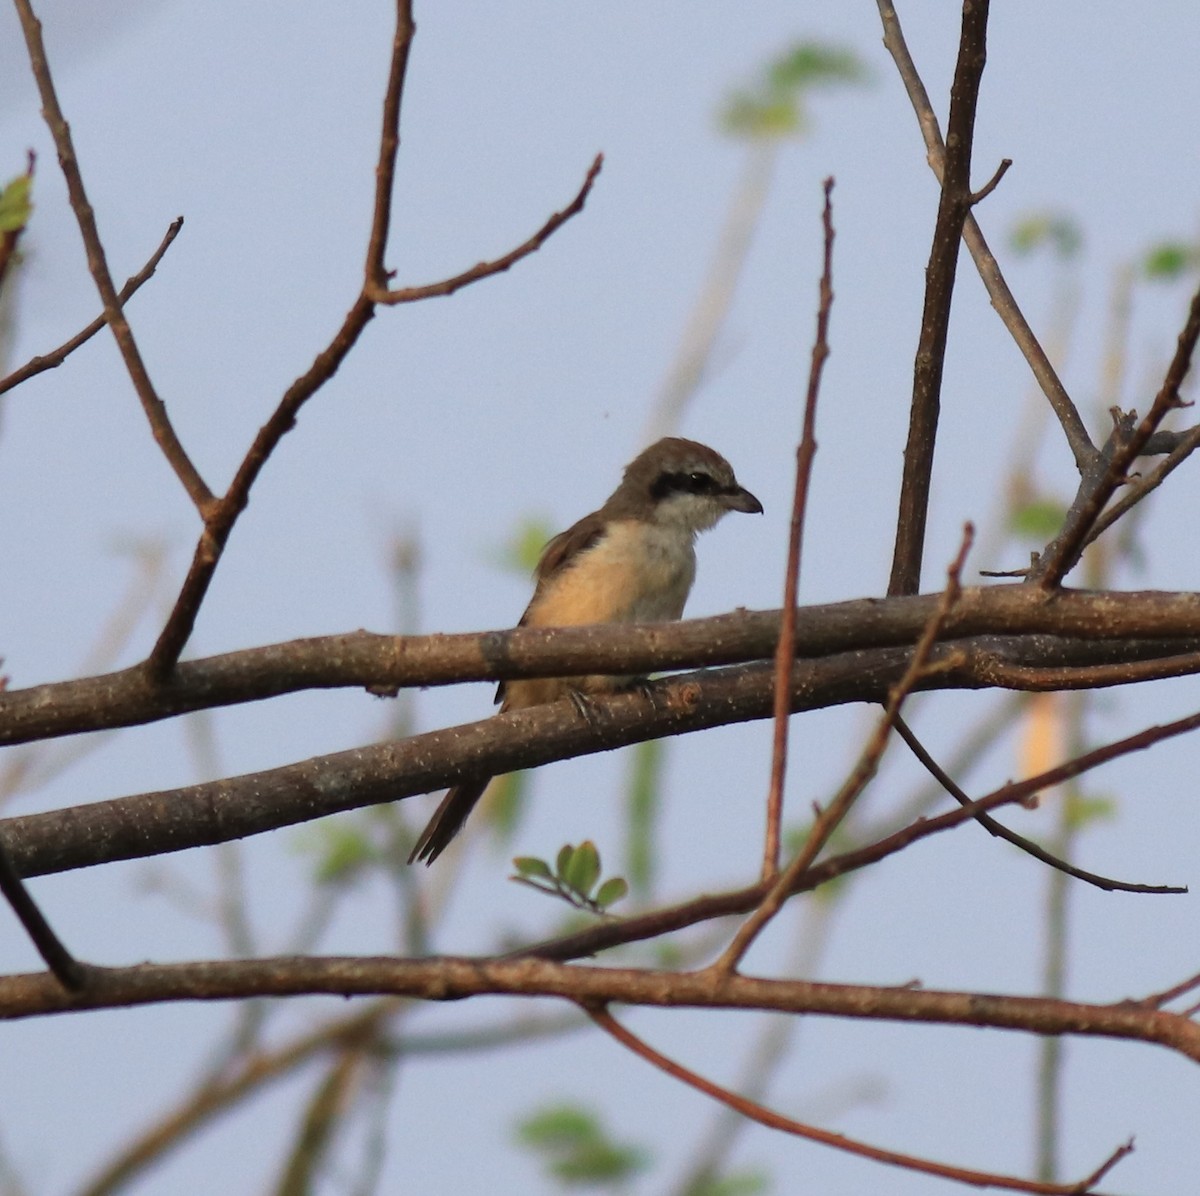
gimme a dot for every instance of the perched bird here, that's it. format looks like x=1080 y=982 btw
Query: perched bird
x=632 y=561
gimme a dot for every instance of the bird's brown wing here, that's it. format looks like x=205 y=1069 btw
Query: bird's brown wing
x=558 y=553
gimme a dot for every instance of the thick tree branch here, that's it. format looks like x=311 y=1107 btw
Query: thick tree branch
x=953 y=209
x=451 y=978
x=383 y=664
x=201 y=815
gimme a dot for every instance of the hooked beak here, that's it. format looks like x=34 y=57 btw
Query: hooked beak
x=742 y=500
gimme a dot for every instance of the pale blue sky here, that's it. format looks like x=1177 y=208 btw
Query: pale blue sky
x=525 y=395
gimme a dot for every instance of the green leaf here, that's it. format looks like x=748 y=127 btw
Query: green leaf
x=1038 y=520
x=563 y=860
x=577 y=1150
x=505 y=803
x=523 y=549
x=645 y=784
x=773 y=107
x=1169 y=260
x=583 y=869
x=15 y=204
x=736 y=1183
x=610 y=891
x=559 y=1126
x=1083 y=811
x=530 y=865
x=1053 y=231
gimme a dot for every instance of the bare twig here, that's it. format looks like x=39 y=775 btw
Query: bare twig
x=55 y=358
x=998 y=291
x=953 y=209
x=776 y=1121
x=805 y=452
x=114 y=315
x=1003 y=832
x=482 y=270
x=828 y=819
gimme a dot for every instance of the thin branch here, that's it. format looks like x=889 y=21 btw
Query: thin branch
x=381 y=295
x=114 y=315
x=998 y=291
x=1003 y=832
x=1065 y=550
x=776 y=1121
x=954 y=207
x=828 y=819
x=805 y=452
x=55 y=358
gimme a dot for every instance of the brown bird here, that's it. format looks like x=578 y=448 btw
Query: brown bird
x=632 y=561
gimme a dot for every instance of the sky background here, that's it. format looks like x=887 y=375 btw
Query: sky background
x=524 y=396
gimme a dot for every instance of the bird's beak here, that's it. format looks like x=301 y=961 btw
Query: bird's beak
x=742 y=500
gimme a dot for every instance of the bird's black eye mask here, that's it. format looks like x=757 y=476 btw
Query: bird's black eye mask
x=686 y=483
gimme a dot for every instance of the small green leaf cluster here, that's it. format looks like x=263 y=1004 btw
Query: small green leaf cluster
x=575 y=877
x=577 y=1149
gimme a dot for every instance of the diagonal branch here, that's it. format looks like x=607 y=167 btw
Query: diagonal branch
x=114 y=315
x=55 y=358
x=954 y=207
x=381 y=295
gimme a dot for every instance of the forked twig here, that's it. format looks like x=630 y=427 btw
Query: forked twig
x=487 y=269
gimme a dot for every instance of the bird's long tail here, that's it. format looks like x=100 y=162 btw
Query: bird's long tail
x=447 y=820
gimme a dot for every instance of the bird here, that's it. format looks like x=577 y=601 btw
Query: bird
x=631 y=561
